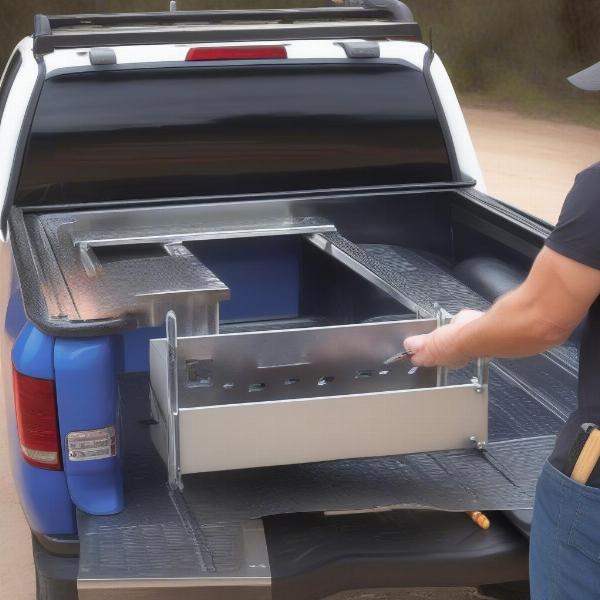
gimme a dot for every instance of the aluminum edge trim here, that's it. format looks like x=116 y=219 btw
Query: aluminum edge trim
x=328 y=247
x=164 y=583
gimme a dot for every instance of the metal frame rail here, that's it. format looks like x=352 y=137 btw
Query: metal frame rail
x=374 y=19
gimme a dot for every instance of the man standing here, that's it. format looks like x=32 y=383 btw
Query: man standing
x=561 y=290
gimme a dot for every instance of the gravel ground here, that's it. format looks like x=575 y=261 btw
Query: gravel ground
x=531 y=163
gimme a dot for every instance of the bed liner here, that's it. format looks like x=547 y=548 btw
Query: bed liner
x=203 y=527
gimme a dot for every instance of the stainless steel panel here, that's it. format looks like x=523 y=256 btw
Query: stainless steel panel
x=251 y=580
x=303 y=363
x=147 y=287
x=184 y=223
x=296 y=396
x=309 y=430
x=144 y=285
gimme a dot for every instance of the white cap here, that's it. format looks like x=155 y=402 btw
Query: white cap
x=588 y=79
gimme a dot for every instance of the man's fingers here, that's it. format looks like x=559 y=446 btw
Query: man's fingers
x=422 y=359
x=414 y=344
x=417 y=346
x=435 y=349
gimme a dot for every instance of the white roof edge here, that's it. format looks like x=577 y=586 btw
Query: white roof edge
x=468 y=162
x=14 y=115
x=411 y=52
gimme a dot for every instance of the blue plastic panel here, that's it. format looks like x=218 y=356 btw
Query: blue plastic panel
x=87 y=393
x=262 y=274
x=33 y=353
x=44 y=494
x=134 y=348
x=15 y=313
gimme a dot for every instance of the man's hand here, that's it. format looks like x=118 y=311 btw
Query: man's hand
x=436 y=348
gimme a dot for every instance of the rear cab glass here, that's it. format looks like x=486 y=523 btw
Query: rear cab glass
x=189 y=130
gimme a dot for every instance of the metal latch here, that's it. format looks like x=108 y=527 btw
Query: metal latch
x=361 y=49
x=103 y=56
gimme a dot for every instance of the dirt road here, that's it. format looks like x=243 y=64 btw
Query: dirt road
x=531 y=163
x=526 y=162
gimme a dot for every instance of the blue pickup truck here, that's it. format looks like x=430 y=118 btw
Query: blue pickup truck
x=216 y=226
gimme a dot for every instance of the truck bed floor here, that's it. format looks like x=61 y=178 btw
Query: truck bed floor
x=204 y=531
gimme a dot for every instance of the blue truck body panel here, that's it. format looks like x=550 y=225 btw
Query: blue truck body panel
x=87 y=396
x=85 y=372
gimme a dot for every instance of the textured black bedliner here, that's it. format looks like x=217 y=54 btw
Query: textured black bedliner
x=313 y=556
x=515 y=413
x=452 y=481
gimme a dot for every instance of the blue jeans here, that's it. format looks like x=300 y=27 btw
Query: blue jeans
x=565 y=539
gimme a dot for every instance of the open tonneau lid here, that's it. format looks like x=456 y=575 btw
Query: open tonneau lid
x=375 y=19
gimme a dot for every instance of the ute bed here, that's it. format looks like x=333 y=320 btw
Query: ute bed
x=251 y=525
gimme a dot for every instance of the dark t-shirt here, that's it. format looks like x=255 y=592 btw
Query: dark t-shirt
x=577 y=236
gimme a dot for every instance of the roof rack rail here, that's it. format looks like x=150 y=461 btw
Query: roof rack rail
x=398 y=9
x=372 y=19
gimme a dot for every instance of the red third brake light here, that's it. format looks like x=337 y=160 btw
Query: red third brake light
x=37 y=422
x=236 y=53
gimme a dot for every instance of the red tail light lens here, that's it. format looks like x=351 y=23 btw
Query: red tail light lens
x=237 y=53
x=37 y=421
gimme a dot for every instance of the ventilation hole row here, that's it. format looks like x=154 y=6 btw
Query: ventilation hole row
x=259 y=387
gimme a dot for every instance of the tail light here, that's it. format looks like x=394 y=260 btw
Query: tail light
x=237 y=53
x=37 y=421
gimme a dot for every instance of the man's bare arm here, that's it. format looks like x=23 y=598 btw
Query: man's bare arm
x=538 y=315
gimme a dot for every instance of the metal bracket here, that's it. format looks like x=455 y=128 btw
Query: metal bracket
x=478 y=444
x=397 y=9
x=174 y=462
x=481 y=377
x=483 y=372
x=443 y=318
x=479 y=381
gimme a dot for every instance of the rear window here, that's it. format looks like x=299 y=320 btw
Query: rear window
x=202 y=130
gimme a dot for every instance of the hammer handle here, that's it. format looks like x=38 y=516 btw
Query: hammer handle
x=587 y=459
